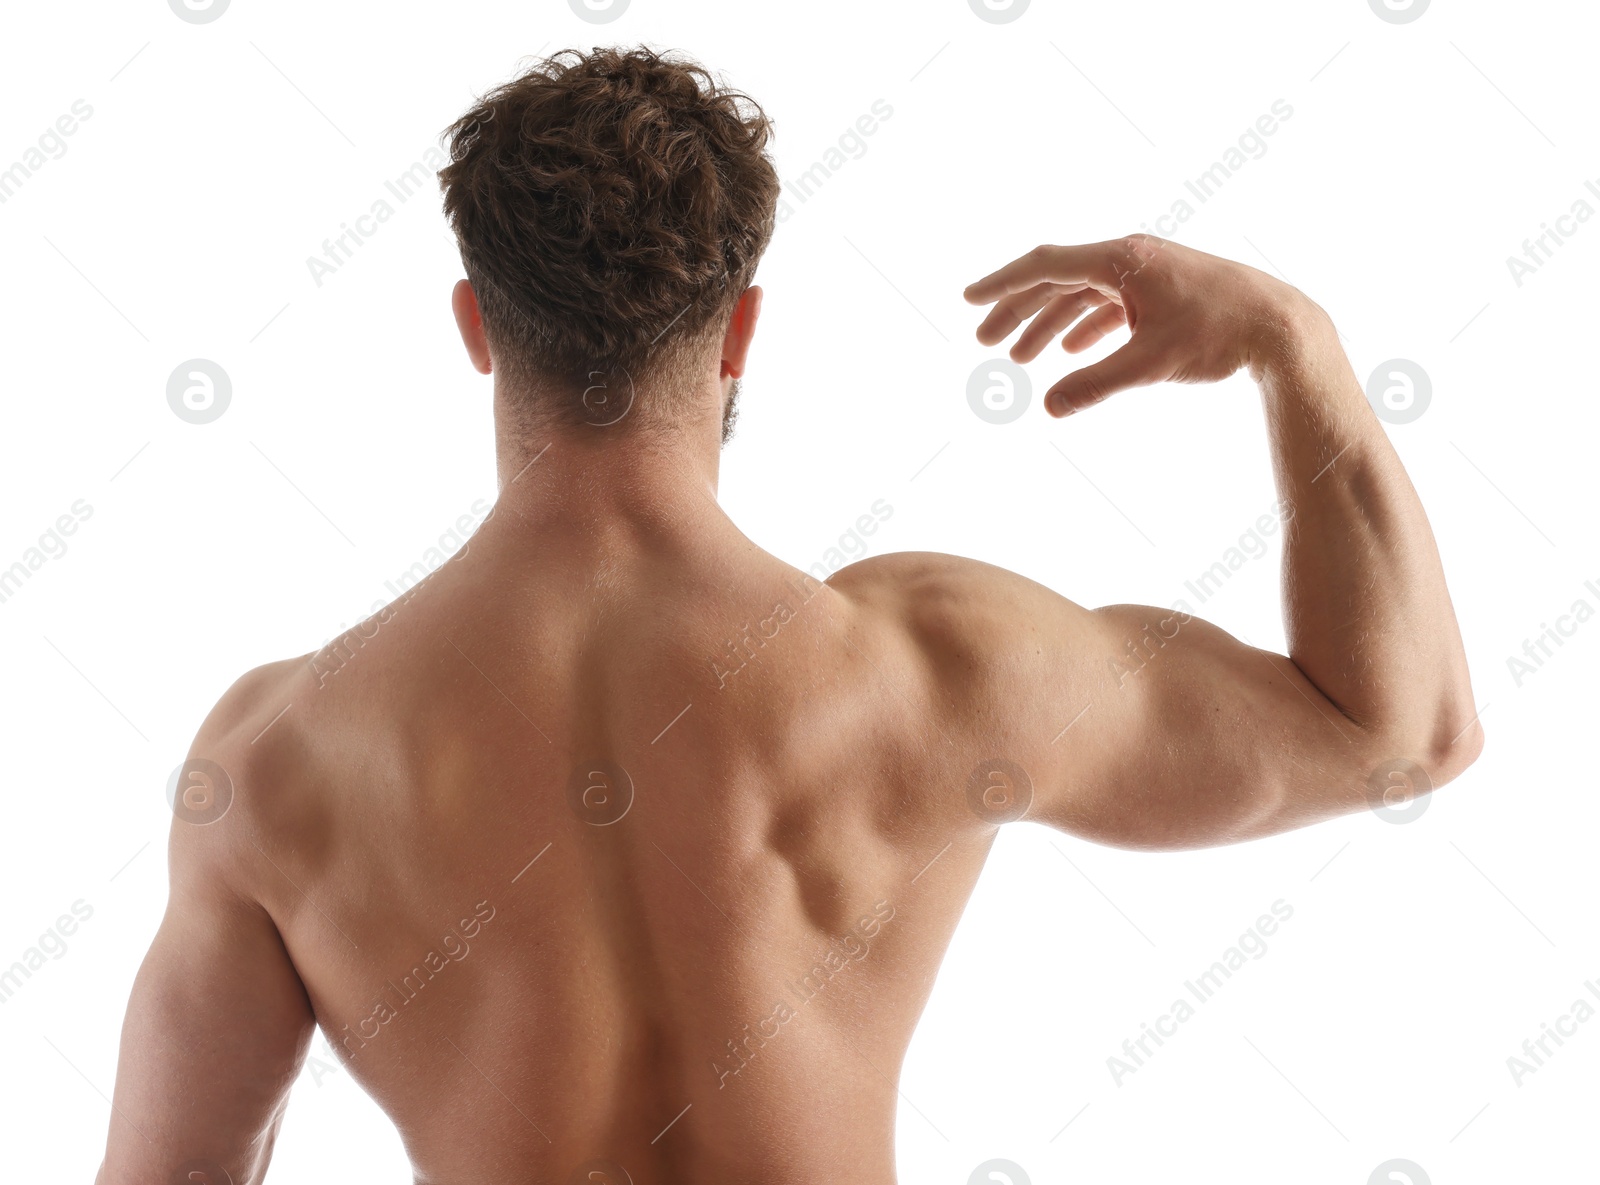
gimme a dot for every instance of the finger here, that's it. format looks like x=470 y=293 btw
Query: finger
x=1094 y=327
x=1057 y=315
x=1004 y=318
x=1087 y=264
x=1130 y=366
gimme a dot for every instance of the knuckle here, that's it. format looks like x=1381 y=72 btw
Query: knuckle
x=1141 y=248
x=1091 y=389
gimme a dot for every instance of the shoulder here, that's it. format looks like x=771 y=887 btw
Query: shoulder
x=983 y=635
x=952 y=601
x=252 y=724
x=242 y=706
x=243 y=755
x=929 y=579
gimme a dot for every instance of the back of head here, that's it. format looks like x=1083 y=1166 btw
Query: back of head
x=610 y=208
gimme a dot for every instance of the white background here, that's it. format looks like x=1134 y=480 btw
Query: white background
x=1418 y=157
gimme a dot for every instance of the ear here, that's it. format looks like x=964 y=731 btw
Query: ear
x=464 y=302
x=742 y=327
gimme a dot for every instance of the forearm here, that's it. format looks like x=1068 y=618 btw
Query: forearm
x=1369 y=619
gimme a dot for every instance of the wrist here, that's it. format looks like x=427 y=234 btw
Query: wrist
x=1292 y=334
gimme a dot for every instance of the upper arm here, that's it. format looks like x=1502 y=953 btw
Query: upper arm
x=217 y=1024
x=1190 y=737
x=1129 y=725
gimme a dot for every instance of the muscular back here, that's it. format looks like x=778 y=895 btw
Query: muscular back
x=566 y=881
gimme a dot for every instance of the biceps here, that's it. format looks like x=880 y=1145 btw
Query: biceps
x=216 y=1029
x=1197 y=739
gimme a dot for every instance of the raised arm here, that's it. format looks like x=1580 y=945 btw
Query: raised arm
x=1181 y=735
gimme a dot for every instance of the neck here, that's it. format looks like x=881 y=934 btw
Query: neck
x=583 y=487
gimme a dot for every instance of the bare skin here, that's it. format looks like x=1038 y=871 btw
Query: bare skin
x=423 y=853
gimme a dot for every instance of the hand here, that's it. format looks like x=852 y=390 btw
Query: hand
x=1195 y=318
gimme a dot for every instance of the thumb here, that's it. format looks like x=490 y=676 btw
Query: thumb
x=1117 y=371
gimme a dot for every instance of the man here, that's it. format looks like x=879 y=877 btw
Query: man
x=619 y=850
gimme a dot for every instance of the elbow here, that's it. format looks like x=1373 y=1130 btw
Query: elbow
x=1455 y=738
x=1440 y=751
x=1445 y=751
x=1451 y=758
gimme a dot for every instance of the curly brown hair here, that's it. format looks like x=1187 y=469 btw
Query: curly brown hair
x=610 y=208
